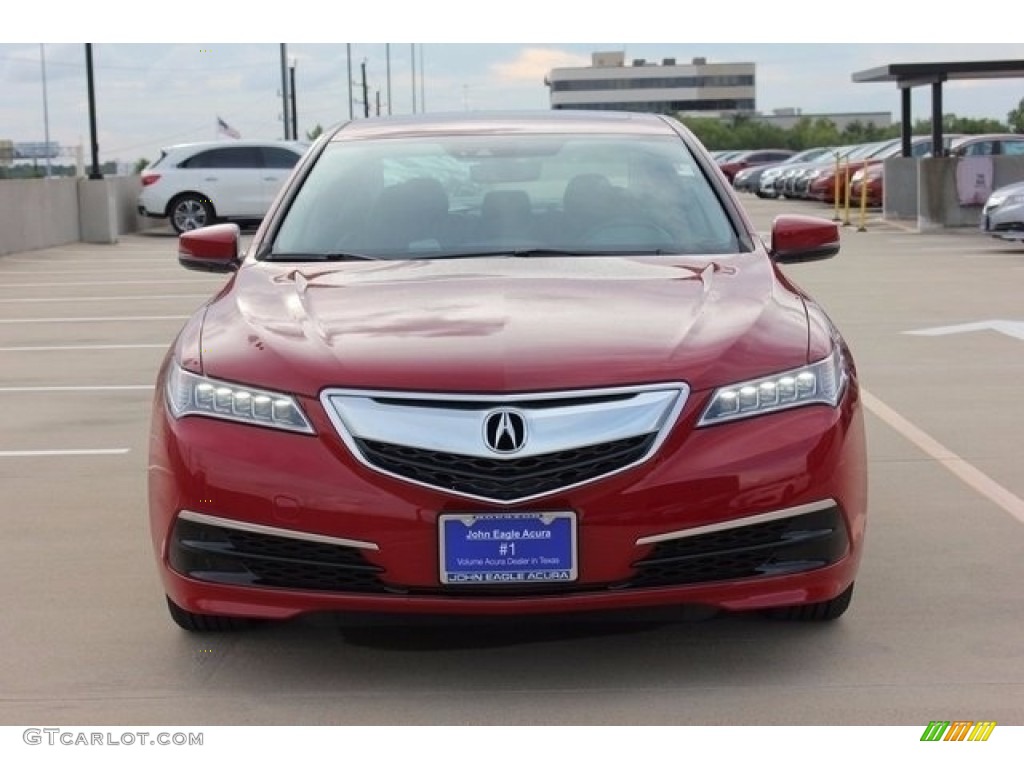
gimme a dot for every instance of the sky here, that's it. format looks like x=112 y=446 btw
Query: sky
x=154 y=88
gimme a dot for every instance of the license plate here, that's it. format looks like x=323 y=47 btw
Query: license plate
x=509 y=548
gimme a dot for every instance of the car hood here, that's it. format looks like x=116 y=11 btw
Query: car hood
x=504 y=325
x=1016 y=188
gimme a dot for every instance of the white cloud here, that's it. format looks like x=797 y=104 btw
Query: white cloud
x=533 y=64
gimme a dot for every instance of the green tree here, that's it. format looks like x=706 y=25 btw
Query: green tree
x=312 y=135
x=1015 y=118
x=808 y=133
x=140 y=165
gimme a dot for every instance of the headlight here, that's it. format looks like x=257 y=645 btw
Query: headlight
x=189 y=394
x=1015 y=199
x=822 y=382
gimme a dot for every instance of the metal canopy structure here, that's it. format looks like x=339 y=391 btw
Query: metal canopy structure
x=908 y=76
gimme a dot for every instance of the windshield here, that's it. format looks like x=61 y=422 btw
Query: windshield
x=448 y=196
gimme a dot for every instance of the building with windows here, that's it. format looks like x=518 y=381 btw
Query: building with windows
x=643 y=86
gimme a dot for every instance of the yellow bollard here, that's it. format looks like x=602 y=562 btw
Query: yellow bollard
x=846 y=195
x=836 y=216
x=863 y=200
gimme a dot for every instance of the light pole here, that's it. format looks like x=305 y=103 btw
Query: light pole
x=284 y=88
x=95 y=172
x=295 y=116
x=366 y=96
x=46 y=109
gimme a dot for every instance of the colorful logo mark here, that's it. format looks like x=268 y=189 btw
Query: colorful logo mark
x=958 y=730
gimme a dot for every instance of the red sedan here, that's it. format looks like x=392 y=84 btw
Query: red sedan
x=507 y=365
x=751 y=159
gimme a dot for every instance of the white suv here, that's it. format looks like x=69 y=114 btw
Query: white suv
x=194 y=185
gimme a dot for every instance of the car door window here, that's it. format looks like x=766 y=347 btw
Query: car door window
x=1013 y=147
x=981 y=148
x=225 y=157
x=278 y=157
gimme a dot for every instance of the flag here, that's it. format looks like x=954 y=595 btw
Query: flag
x=226 y=129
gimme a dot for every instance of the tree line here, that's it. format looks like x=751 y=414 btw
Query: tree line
x=744 y=132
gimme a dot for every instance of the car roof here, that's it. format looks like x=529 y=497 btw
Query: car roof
x=974 y=137
x=200 y=145
x=549 y=121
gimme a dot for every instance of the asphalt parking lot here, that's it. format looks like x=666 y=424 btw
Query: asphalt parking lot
x=936 y=323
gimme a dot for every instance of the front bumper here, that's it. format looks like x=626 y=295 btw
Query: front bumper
x=754 y=514
x=1005 y=222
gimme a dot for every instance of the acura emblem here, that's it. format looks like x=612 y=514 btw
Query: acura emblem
x=505 y=431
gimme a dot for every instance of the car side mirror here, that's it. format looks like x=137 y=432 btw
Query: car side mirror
x=803 y=238
x=210 y=249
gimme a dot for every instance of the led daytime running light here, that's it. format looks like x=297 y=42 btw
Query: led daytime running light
x=189 y=394
x=820 y=382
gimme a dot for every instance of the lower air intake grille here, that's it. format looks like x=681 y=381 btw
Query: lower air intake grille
x=774 y=548
x=230 y=556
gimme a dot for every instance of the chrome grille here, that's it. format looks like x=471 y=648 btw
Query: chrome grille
x=561 y=440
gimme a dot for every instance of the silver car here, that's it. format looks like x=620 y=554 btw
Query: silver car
x=1003 y=214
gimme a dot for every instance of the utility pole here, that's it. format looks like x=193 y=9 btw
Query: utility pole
x=46 y=108
x=387 y=58
x=366 y=96
x=295 y=116
x=423 y=72
x=95 y=173
x=284 y=89
x=412 y=55
x=348 y=59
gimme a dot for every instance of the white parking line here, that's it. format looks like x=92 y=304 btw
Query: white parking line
x=60 y=284
x=71 y=347
x=136 y=318
x=103 y=388
x=141 y=297
x=67 y=452
x=91 y=259
x=963 y=469
x=150 y=268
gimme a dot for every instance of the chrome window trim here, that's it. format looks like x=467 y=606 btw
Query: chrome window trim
x=669 y=406
x=766 y=517
x=285 y=533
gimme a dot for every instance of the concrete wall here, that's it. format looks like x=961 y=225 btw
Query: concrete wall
x=926 y=191
x=1008 y=170
x=38 y=213
x=938 y=204
x=899 y=193
x=126 y=193
x=42 y=213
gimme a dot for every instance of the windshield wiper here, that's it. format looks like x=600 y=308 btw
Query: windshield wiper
x=529 y=253
x=339 y=256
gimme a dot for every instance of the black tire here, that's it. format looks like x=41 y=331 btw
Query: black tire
x=201 y=622
x=190 y=211
x=826 y=611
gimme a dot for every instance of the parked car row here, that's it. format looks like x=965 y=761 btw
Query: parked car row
x=860 y=168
